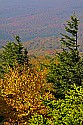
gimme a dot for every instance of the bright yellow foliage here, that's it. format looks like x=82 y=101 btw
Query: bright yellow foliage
x=23 y=93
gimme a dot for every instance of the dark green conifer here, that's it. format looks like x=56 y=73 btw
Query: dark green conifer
x=70 y=39
x=69 y=70
x=13 y=53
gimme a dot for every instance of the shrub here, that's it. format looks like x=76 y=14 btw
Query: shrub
x=68 y=111
x=23 y=91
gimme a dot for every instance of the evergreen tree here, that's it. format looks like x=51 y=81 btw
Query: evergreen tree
x=69 y=69
x=70 y=40
x=13 y=53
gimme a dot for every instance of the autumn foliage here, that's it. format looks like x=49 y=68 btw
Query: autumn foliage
x=23 y=93
x=42 y=90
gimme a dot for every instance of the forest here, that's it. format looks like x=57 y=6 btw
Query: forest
x=42 y=89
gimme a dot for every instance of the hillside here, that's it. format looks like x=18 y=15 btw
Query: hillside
x=41 y=45
x=33 y=18
x=46 y=45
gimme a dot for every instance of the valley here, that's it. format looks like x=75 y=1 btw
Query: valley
x=37 y=20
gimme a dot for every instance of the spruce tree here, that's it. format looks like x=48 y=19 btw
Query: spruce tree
x=13 y=54
x=70 y=39
x=71 y=47
x=69 y=70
